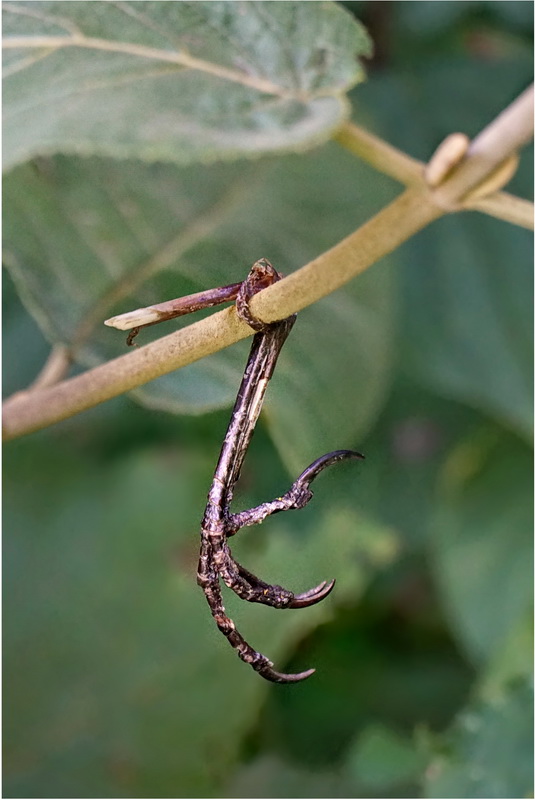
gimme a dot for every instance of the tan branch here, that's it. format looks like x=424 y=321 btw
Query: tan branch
x=409 y=213
x=509 y=131
x=55 y=367
x=381 y=155
x=507 y=207
x=30 y=411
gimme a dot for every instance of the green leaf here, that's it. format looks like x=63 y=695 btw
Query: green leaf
x=489 y=752
x=85 y=239
x=429 y=23
x=482 y=540
x=395 y=665
x=271 y=776
x=467 y=279
x=180 y=82
x=21 y=335
x=470 y=319
x=119 y=682
x=513 y=661
x=408 y=444
x=380 y=757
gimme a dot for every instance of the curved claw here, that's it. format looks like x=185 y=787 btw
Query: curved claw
x=313 y=596
x=281 y=677
x=317 y=466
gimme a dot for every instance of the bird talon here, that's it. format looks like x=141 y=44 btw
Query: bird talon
x=272 y=675
x=313 y=596
x=215 y=560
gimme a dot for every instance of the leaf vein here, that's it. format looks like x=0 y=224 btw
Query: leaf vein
x=141 y=51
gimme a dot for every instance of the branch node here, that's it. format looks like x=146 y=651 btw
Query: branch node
x=448 y=154
x=495 y=181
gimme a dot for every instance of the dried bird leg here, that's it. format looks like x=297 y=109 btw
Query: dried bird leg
x=218 y=524
x=216 y=560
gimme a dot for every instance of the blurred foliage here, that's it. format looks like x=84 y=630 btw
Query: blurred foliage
x=489 y=752
x=117 y=683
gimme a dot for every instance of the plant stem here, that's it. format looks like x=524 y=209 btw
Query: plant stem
x=30 y=411
x=503 y=205
x=54 y=368
x=384 y=232
x=505 y=135
x=380 y=154
x=413 y=210
x=509 y=131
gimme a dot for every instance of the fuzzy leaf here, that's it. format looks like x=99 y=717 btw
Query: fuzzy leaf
x=482 y=540
x=489 y=752
x=180 y=82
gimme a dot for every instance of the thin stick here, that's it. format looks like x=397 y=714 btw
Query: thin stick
x=170 y=309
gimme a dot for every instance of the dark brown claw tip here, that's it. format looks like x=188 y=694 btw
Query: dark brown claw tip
x=317 y=466
x=281 y=677
x=313 y=596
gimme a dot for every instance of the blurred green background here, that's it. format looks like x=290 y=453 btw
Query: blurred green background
x=116 y=683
